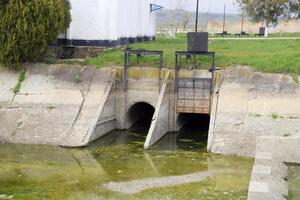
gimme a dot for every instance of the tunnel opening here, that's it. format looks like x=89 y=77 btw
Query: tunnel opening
x=193 y=127
x=139 y=117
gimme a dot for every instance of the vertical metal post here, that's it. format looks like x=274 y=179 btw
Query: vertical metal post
x=160 y=73
x=176 y=72
x=125 y=70
x=197 y=13
x=212 y=82
x=126 y=66
x=224 y=18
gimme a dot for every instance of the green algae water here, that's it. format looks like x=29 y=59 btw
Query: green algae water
x=30 y=172
x=294 y=182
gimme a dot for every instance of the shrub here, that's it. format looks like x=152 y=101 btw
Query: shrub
x=27 y=27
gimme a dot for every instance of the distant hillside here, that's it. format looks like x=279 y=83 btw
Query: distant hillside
x=163 y=17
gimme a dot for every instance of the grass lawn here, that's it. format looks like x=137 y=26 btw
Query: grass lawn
x=264 y=55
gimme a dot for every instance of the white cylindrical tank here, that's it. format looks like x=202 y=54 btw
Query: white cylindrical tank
x=108 y=22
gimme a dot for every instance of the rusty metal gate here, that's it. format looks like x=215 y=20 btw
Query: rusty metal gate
x=193 y=94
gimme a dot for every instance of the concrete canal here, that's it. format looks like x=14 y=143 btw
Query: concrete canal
x=178 y=116
x=117 y=167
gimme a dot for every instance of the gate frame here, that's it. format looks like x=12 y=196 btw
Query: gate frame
x=127 y=63
x=178 y=55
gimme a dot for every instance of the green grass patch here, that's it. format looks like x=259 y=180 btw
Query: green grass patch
x=274 y=115
x=284 y=34
x=51 y=61
x=20 y=80
x=278 y=56
x=295 y=78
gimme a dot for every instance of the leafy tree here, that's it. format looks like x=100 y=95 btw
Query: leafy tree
x=28 y=26
x=271 y=11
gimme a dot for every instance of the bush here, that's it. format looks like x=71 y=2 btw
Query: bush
x=27 y=27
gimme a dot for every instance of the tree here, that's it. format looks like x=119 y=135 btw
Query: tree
x=27 y=27
x=186 y=20
x=177 y=8
x=270 y=11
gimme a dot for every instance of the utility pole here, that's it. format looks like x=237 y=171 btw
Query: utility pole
x=224 y=18
x=197 y=12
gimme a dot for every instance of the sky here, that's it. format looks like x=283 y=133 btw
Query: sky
x=213 y=6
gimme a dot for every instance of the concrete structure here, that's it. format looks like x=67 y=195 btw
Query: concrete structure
x=268 y=178
x=99 y=95
x=73 y=106
x=54 y=102
x=249 y=104
x=269 y=168
x=160 y=120
x=109 y=22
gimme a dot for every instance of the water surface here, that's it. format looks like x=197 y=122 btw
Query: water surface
x=47 y=172
x=294 y=182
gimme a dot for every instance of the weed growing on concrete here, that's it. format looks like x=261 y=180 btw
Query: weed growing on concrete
x=294 y=117
x=51 y=107
x=295 y=78
x=287 y=135
x=20 y=80
x=50 y=61
x=275 y=116
x=77 y=78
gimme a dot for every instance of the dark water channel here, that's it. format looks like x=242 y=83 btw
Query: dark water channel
x=47 y=172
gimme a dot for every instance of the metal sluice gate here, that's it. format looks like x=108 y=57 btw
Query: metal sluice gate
x=193 y=94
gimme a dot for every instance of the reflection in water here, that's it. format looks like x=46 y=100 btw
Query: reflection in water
x=45 y=172
x=294 y=182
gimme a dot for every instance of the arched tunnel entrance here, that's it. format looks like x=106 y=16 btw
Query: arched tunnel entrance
x=193 y=126
x=192 y=133
x=139 y=117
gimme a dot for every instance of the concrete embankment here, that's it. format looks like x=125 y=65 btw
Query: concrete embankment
x=269 y=174
x=268 y=178
x=249 y=104
x=53 y=101
x=74 y=105
x=160 y=121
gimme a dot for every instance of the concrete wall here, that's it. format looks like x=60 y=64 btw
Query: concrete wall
x=110 y=19
x=269 y=173
x=249 y=104
x=94 y=122
x=70 y=105
x=269 y=169
x=268 y=178
x=142 y=86
x=285 y=149
x=51 y=104
x=160 y=121
x=53 y=108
